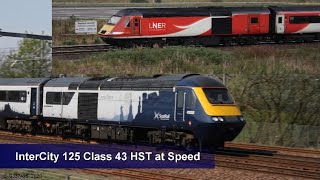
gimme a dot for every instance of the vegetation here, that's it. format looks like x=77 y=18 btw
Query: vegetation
x=262 y=59
x=33 y=59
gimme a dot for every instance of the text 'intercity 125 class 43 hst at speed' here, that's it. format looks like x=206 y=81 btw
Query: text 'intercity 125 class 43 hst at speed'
x=186 y=110
x=210 y=26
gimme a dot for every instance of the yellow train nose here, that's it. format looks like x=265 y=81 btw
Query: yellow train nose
x=106 y=29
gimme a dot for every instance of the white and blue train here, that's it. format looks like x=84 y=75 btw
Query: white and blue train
x=186 y=110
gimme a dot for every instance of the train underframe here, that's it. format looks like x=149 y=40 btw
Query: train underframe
x=106 y=132
x=226 y=40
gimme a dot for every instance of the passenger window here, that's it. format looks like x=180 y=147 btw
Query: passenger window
x=254 y=20
x=17 y=96
x=280 y=20
x=2 y=95
x=53 y=97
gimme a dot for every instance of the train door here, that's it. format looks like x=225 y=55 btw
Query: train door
x=33 y=102
x=136 y=26
x=254 y=24
x=280 y=24
x=185 y=103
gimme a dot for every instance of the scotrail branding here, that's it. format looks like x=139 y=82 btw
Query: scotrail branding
x=159 y=116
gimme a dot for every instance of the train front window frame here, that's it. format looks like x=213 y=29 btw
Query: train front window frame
x=114 y=20
x=218 y=96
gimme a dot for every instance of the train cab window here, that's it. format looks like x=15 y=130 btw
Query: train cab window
x=190 y=99
x=127 y=23
x=114 y=20
x=2 y=95
x=254 y=20
x=218 y=96
x=17 y=96
x=67 y=96
x=53 y=97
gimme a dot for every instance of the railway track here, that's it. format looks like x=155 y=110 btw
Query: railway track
x=257 y=158
x=77 y=51
x=273 y=148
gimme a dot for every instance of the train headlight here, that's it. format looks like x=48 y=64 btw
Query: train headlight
x=215 y=119
x=220 y=119
x=241 y=118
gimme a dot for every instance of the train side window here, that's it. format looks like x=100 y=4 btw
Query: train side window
x=127 y=23
x=280 y=20
x=2 y=95
x=180 y=99
x=315 y=19
x=67 y=96
x=53 y=97
x=254 y=20
x=17 y=96
x=304 y=19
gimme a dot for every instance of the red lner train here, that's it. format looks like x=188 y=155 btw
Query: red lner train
x=209 y=26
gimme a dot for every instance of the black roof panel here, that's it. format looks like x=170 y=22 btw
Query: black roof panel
x=296 y=8
x=22 y=81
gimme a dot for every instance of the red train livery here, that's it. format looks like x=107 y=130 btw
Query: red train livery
x=210 y=26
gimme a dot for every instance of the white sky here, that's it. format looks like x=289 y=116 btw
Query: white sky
x=32 y=16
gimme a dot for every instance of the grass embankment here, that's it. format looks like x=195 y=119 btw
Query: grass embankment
x=263 y=59
x=276 y=86
x=63 y=31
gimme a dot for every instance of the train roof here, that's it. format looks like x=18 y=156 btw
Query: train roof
x=23 y=81
x=135 y=83
x=164 y=12
x=191 y=11
x=296 y=8
x=65 y=82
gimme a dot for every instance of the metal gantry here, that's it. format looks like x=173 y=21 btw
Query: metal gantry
x=25 y=35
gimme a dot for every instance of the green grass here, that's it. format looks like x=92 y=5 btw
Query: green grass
x=263 y=59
